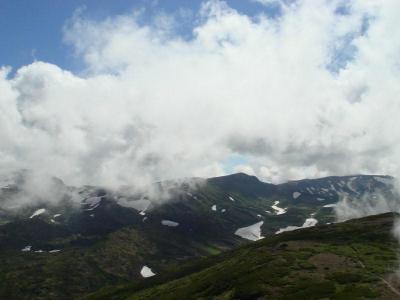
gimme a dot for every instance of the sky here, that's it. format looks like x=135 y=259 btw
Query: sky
x=33 y=30
x=131 y=92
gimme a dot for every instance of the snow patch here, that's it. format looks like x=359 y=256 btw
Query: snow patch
x=56 y=215
x=191 y=195
x=26 y=249
x=146 y=272
x=223 y=210
x=288 y=228
x=231 y=198
x=309 y=222
x=330 y=205
x=214 y=207
x=169 y=223
x=279 y=210
x=252 y=232
x=296 y=195
x=38 y=212
x=54 y=251
x=92 y=202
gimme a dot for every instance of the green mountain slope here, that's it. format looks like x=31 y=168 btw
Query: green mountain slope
x=95 y=237
x=351 y=260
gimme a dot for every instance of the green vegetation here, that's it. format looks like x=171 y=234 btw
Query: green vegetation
x=339 y=261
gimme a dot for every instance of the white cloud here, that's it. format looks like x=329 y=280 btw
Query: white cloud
x=266 y=2
x=151 y=105
x=244 y=169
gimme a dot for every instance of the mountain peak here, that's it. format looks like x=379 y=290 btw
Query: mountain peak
x=237 y=177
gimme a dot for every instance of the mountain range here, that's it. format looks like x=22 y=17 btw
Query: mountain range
x=76 y=240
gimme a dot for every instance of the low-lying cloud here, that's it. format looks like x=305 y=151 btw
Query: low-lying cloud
x=353 y=208
x=312 y=92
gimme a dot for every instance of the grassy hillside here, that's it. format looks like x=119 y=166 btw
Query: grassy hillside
x=351 y=260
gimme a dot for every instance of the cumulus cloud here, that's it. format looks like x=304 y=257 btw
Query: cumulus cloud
x=152 y=104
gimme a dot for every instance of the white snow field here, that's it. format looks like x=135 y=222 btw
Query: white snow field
x=146 y=272
x=252 y=232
